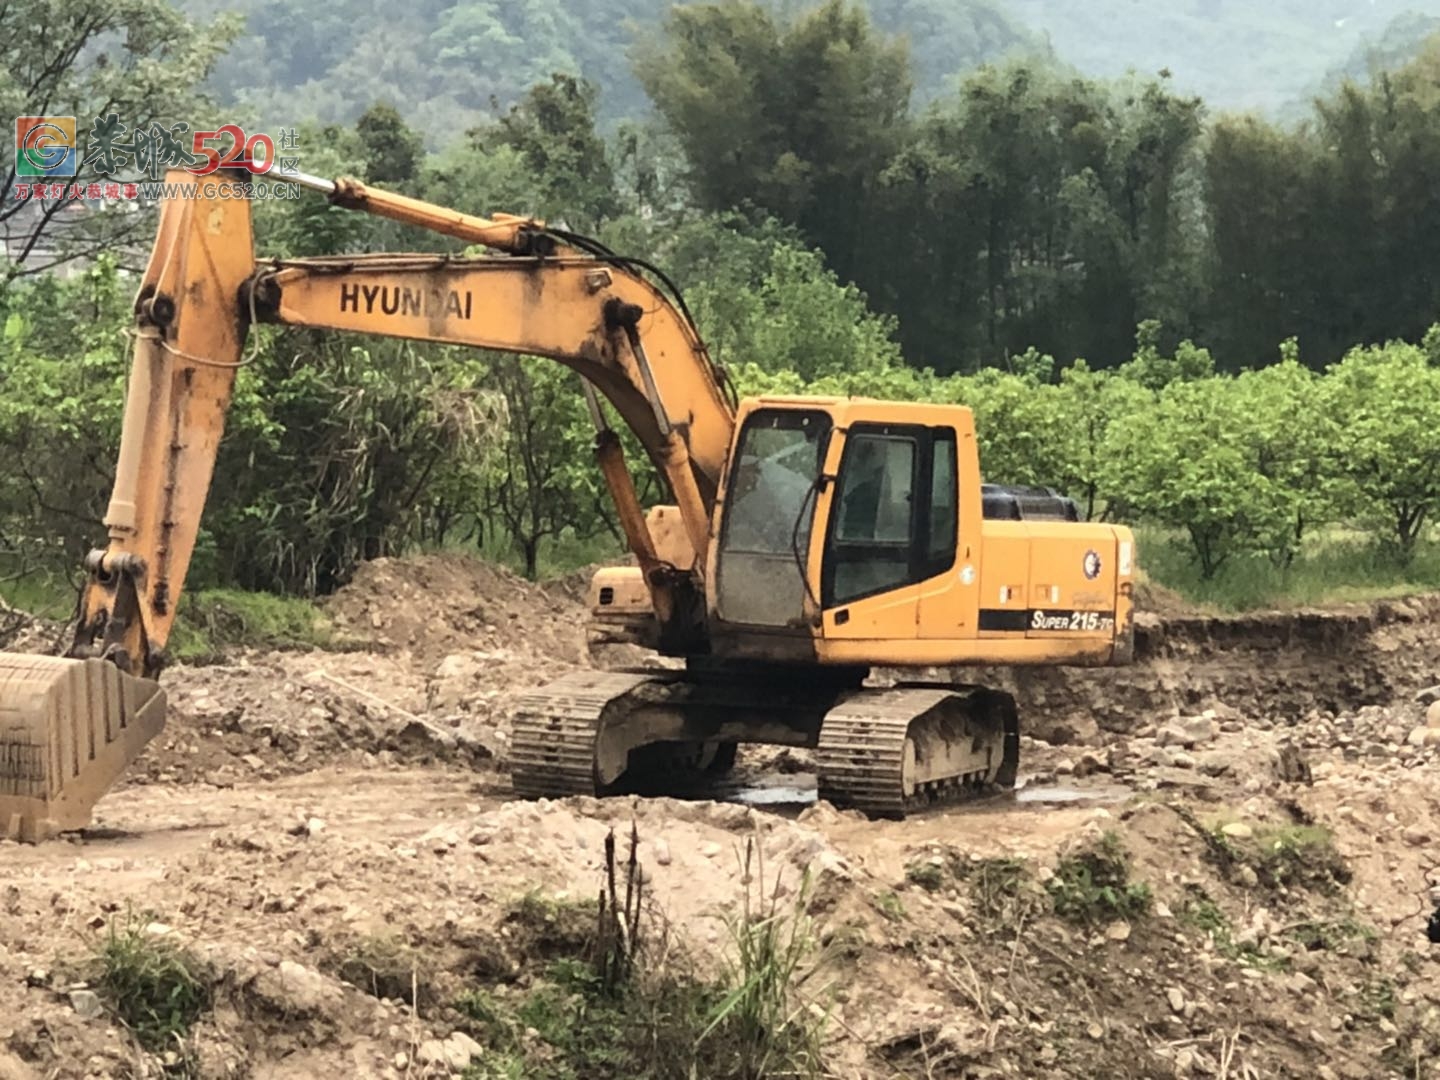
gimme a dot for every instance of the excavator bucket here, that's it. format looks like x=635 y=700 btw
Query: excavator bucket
x=68 y=729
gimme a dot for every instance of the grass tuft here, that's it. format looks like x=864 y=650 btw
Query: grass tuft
x=764 y=1008
x=927 y=875
x=212 y=621
x=155 y=987
x=627 y=1006
x=1093 y=885
x=1336 y=566
x=382 y=966
x=998 y=885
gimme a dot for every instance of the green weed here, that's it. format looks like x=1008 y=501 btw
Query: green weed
x=1203 y=914
x=209 y=622
x=764 y=1009
x=384 y=967
x=1376 y=1000
x=1334 y=566
x=1331 y=935
x=1283 y=857
x=927 y=875
x=1093 y=885
x=996 y=884
x=155 y=987
x=889 y=905
x=585 y=1017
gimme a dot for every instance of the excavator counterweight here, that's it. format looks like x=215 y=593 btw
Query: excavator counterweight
x=807 y=540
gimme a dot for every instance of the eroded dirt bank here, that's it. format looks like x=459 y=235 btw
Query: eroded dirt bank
x=1258 y=778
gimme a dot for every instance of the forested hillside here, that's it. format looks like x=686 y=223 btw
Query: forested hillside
x=441 y=62
x=1236 y=54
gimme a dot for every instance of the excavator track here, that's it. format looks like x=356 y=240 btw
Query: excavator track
x=891 y=752
x=557 y=729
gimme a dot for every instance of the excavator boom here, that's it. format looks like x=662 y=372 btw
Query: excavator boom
x=69 y=726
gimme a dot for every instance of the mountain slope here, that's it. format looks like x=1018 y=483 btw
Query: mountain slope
x=1236 y=54
x=442 y=62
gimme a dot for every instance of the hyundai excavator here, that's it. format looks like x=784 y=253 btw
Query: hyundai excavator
x=808 y=540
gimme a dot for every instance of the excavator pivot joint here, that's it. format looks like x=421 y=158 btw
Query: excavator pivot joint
x=619 y=314
x=158 y=310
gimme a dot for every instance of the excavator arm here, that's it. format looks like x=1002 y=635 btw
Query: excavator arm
x=203 y=289
x=68 y=727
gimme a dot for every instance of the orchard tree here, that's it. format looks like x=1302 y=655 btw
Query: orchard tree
x=1184 y=464
x=1292 y=437
x=1090 y=404
x=1384 y=400
x=1017 y=424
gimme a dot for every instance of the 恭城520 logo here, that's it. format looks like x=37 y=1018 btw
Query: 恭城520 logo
x=228 y=147
x=1089 y=621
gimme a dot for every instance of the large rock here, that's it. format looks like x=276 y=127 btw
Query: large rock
x=1187 y=731
x=12 y=1068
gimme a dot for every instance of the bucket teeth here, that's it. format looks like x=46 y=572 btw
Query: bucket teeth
x=68 y=730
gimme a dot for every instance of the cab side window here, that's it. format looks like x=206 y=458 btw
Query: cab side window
x=895 y=515
x=944 y=508
x=874 y=529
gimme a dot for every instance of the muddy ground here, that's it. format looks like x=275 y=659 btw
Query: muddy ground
x=1262 y=775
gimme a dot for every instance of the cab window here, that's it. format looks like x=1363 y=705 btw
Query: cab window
x=894 y=517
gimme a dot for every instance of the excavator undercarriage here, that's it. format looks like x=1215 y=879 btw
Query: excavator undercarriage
x=883 y=751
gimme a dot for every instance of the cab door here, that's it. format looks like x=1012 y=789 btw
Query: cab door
x=874 y=545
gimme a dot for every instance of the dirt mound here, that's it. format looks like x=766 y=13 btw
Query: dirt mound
x=25 y=633
x=1201 y=929
x=446 y=643
x=1157 y=599
x=1275 y=665
x=434 y=605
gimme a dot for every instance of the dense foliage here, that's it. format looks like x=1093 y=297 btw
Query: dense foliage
x=1219 y=329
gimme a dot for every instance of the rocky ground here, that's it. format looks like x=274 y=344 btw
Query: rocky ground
x=1220 y=862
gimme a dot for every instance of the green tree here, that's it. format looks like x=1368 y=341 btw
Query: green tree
x=63 y=366
x=543 y=481
x=1184 y=464
x=796 y=119
x=552 y=129
x=392 y=151
x=1091 y=403
x=1292 y=438
x=1384 y=400
x=1035 y=208
x=141 y=60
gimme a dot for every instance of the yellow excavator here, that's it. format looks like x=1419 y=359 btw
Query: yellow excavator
x=807 y=541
